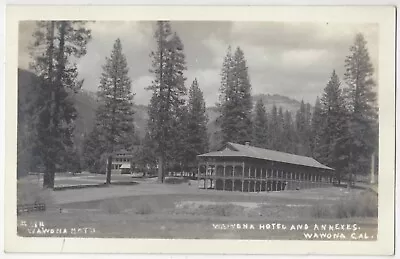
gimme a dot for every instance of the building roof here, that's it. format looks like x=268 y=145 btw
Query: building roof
x=125 y=166
x=123 y=153
x=236 y=150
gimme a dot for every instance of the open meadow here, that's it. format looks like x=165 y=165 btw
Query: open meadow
x=142 y=208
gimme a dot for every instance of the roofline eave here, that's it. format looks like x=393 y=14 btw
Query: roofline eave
x=325 y=168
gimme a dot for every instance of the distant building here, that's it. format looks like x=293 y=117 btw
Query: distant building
x=245 y=168
x=122 y=162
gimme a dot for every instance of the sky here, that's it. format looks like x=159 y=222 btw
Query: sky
x=290 y=59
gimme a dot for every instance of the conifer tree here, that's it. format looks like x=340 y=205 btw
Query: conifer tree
x=56 y=42
x=178 y=144
x=308 y=116
x=27 y=160
x=288 y=134
x=226 y=77
x=274 y=129
x=197 y=142
x=333 y=126
x=362 y=106
x=235 y=119
x=260 y=125
x=280 y=136
x=146 y=157
x=316 y=128
x=114 y=116
x=303 y=129
x=94 y=152
x=168 y=89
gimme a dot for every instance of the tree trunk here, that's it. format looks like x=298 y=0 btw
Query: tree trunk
x=160 y=169
x=372 y=181
x=350 y=178
x=108 y=172
x=48 y=177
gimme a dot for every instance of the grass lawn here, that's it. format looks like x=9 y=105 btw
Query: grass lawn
x=151 y=210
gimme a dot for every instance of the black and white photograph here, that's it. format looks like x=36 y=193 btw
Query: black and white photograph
x=199 y=129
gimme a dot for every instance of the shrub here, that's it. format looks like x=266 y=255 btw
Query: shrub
x=367 y=205
x=364 y=204
x=30 y=193
x=344 y=209
x=224 y=210
x=112 y=206
x=321 y=211
x=144 y=209
x=176 y=180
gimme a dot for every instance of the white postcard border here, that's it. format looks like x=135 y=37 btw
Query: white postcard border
x=384 y=16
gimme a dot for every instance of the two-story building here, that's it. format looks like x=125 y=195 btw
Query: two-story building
x=245 y=168
x=122 y=162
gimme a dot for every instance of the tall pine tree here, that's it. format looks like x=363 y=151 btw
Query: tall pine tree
x=288 y=134
x=236 y=109
x=197 y=124
x=114 y=116
x=333 y=126
x=303 y=118
x=56 y=42
x=273 y=128
x=281 y=121
x=93 y=151
x=361 y=101
x=226 y=77
x=177 y=157
x=316 y=128
x=260 y=126
x=168 y=87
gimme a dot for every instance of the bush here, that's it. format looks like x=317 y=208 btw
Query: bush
x=224 y=210
x=30 y=193
x=345 y=209
x=367 y=205
x=176 y=180
x=364 y=204
x=321 y=211
x=112 y=206
x=144 y=209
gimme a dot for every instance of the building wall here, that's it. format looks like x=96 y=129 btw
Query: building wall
x=244 y=174
x=118 y=160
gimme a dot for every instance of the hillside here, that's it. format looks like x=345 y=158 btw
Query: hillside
x=86 y=104
x=280 y=101
x=269 y=100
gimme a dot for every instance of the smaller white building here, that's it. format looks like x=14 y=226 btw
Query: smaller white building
x=121 y=162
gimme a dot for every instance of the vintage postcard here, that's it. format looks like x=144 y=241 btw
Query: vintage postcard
x=216 y=130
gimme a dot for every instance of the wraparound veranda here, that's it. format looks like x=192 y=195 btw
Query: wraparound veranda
x=245 y=168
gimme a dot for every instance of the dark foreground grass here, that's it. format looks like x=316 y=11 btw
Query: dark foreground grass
x=149 y=210
x=196 y=227
x=362 y=204
x=30 y=192
x=199 y=216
